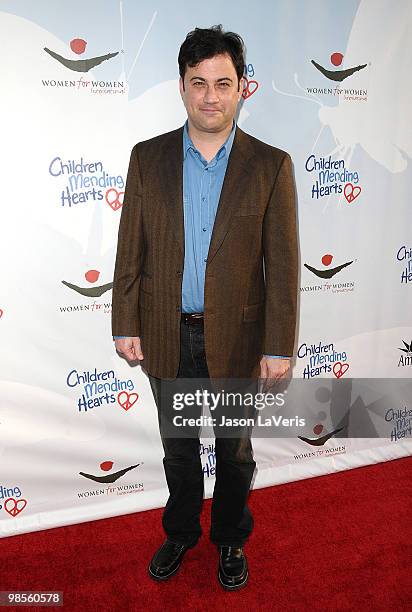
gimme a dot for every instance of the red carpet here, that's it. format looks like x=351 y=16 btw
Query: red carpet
x=338 y=542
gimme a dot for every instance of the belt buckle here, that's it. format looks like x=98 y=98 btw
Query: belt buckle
x=193 y=318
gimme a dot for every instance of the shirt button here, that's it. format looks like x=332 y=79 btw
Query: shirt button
x=203 y=199
x=205 y=260
x=204 y=229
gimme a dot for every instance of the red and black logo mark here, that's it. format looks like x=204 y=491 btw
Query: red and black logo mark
x=327 y=272
x=78 y=46
x=106 y=466
x=337 y=75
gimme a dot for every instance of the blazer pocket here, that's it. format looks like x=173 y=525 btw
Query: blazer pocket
x=253 y=312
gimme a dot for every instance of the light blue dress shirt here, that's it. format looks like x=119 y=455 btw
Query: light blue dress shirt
x=202 y=185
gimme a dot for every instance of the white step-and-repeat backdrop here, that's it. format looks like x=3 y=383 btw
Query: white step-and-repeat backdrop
x=82 y=82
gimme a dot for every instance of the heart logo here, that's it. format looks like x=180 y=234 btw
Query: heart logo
x=351 y=192
x=1 y=313
x=249 y=88
x=14 y=506
x=340 y=368
x=112 y=197
x=126 y=400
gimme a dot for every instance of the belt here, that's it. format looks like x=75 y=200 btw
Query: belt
x=192 y=318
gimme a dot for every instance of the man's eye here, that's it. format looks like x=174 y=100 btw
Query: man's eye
x=224 y=85
x=196 y=83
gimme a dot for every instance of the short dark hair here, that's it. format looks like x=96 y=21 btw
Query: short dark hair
x=204 y=43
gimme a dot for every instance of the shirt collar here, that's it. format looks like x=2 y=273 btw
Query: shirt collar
x=224 y=149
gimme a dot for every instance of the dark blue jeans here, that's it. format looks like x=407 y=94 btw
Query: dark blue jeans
x=231 y=520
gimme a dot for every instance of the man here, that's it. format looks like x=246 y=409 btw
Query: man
x=205 y=284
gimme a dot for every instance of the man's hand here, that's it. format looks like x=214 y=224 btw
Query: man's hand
x=130 y=348
x=273 y=369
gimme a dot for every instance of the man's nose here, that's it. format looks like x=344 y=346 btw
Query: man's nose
x=210 y=95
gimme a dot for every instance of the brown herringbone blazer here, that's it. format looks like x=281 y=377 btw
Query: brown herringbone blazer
x=251 y=273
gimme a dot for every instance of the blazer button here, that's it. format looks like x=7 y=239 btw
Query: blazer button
x=179 y=273
x=177 y=308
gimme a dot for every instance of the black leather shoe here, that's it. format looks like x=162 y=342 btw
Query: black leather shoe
x=233 y=572
x=167 y=559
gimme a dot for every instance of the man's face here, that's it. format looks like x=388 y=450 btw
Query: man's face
x=211 y=93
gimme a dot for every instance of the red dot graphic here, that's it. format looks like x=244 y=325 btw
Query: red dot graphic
x=78 y=45
x=336 y=58
x=318 y=429
x=327 y=259
x=92 y=275
x=106 y=466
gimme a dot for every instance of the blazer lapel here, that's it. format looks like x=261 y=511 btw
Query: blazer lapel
x=171 y=183
x=238 y=173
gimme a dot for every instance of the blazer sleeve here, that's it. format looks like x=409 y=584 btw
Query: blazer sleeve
x=129 y=256
x=280 y=252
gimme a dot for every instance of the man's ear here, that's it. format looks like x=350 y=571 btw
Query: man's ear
x=241 y=86
x=181 y=87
